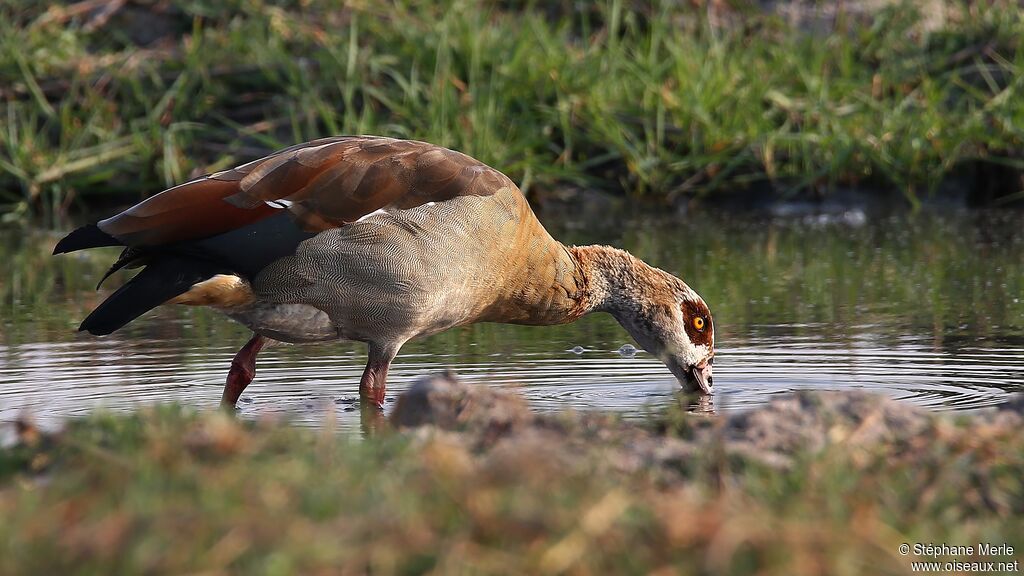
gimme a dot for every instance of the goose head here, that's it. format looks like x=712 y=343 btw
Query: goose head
x=679 y=331
x=661 y=312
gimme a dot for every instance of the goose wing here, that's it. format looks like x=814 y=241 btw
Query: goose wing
x=322 y=184
x=240 y=220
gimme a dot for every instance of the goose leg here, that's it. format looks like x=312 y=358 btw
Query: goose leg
x=375 y=375
x=243 y=370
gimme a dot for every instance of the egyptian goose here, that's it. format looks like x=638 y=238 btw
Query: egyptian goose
x=380 y=241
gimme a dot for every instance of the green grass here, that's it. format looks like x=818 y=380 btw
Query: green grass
x=656 y=99
x=170 y=491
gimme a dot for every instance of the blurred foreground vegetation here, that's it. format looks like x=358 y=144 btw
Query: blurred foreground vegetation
x=167 y=490
x=106 y=101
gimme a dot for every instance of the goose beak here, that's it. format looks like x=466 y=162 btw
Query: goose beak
x=693 y=378
x=702 y=374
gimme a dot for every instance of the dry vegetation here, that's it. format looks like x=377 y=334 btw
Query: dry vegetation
x=813 y=484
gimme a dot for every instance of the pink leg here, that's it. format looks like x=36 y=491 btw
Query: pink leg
x=243 y=370
x=374 y=381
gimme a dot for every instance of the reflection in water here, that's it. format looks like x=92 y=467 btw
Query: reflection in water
x=695 y=403
x=926 y=309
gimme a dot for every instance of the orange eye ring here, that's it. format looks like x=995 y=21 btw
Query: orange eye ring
x=698 y=323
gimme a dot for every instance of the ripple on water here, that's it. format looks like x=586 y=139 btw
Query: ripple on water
x=52 y=381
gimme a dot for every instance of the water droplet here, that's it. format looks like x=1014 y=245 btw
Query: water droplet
x=627 y=351
x=577 y=350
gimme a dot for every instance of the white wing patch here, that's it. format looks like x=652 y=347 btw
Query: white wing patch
x=280 y=203
x=378 y=212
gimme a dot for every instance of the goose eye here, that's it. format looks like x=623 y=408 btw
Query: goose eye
x=698 y=323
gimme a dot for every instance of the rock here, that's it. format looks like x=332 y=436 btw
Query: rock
x=1015 y=405
x=498 y=426
x=442 y=401
x=808 y=421
x=1010 y=414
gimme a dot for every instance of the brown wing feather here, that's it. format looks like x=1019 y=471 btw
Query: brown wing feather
x=324 y=184
x=193 y=210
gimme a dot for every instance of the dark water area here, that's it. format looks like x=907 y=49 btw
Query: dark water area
x=927 y=308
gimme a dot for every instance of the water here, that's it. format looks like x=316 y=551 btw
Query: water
x=925 y=308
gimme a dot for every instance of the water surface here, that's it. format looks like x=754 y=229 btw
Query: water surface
x=925 y=308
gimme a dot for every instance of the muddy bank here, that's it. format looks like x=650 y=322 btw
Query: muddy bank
x=500 y=427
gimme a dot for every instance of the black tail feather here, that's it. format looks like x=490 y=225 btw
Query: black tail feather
x=130 y=258
x=89 y=236
x=157 y=283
